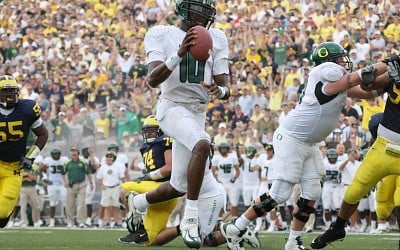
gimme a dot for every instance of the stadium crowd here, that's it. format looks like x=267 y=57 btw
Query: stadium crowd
x=83 y=62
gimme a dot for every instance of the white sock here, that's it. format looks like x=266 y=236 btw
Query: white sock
x=294 y=234
x=242 y=222
x=373 y=224
x=364 y=222
x=191 y=209
x=328 y=223
x=140 y=202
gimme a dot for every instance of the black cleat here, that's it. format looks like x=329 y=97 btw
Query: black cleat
x=4 y=221
x=330 y=235
x=138 y=238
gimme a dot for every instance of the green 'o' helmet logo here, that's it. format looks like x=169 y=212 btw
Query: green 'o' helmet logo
x=323 y=52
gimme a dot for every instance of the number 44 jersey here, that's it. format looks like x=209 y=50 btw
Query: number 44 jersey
x=183 y=85
x=15 y=125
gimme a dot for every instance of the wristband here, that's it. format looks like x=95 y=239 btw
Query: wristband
x=155 y=175
x=33 y=152
x=223 y=92
x=172 y=62
x=375 y=93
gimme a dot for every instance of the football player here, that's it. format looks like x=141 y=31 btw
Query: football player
x=263 y=164
x=225 y=168
x=331 y=190
x=154 y=232
x=52 y=166
x=367 y=205
x=17 y=117
x=384 y=157
x=93 y=163
x=387 y=195
x=186 y=87
x=297 y=156
x=156 y=153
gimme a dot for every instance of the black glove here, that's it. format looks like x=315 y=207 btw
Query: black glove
x=233 y=180
x=26 y=163
x=392 y=58
x=145 y=177
x=368 y=77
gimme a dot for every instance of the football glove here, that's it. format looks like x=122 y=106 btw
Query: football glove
x=368 y=77
x=26 y=163
x=145 y=177
x=392 y=58
x=233 y=180
x=393 y=69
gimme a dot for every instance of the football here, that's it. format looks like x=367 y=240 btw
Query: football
x=201 y=50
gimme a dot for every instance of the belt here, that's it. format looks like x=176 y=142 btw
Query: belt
x=73 y=183
x=112 y=186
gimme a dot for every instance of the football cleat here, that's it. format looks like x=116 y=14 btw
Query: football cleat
x=134 y=216
x=190 y=231
x=138 y=238
x=329 y=236
x=251 y=237
x=295 y=244
x=233 y=235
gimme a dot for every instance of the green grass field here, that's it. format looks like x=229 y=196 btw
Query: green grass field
x=107 y=239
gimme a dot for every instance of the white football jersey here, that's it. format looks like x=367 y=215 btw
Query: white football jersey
x=250 y=178
x=182 y=86
x=331 y=172
x=54 y=167
x=225 y=166
x=266 y=166
x=317 y=114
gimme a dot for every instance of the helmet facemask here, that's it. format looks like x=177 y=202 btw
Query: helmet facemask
x=9 y=97
x=332 y=156
x=196 y=12
x=251 y=152
x=224 y=149
x=346 y=63
x=150 y=133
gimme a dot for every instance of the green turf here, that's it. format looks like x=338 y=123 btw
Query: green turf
x=107 y=239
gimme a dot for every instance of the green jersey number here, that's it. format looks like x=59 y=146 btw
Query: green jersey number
x=227 y=168
x=191 y=70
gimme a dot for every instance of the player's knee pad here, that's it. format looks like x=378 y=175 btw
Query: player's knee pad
x=210 y=241
x=304 y=208
x=281 y=191
x=266 y=204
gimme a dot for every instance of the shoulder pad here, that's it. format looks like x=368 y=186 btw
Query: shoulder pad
x=331 y=72
x=157 y=32
x=219 y=39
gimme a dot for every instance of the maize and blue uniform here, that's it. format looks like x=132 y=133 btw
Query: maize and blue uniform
x=157 y=214
x=15 y=125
